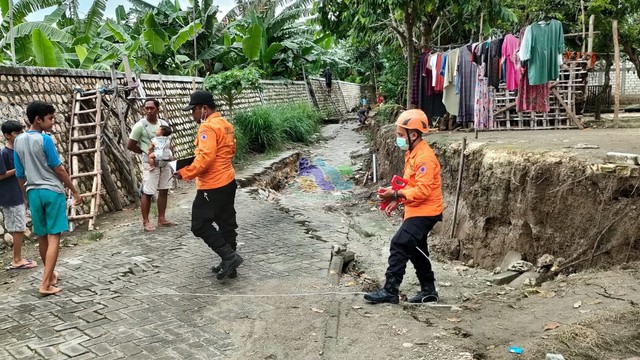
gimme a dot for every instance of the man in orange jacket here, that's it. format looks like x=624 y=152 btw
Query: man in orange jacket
x=423 y=209
x=215 y=182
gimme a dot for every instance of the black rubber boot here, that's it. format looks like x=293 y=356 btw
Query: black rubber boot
x=230 y=261
x=388 y=294
x=428 y=293
x=234 y=273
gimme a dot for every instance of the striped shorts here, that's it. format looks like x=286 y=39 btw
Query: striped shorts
x=15 y=218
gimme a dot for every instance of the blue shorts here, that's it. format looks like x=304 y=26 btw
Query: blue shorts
x=48 y=211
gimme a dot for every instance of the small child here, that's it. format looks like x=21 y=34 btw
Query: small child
x=160 y=147
x=11 y=198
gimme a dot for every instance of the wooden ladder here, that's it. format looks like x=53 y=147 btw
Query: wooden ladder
x=85 y=150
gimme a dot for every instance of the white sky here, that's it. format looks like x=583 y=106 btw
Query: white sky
x=224 y=7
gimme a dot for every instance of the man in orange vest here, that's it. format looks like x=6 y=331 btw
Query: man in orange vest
x=423 y=209
x=215 y=182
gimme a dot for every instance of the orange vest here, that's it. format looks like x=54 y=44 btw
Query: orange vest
x=423 y=193
x=215 y=148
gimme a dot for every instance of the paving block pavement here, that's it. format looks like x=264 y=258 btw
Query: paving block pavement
x=152 y=295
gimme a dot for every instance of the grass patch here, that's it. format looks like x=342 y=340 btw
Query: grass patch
x=95 y=236
x=265 y=129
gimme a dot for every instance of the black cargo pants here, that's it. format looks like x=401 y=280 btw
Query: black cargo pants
x=412 y=236
x=215 y=206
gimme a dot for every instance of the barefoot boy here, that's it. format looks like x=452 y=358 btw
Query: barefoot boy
x=41 y=175
x=11 y=198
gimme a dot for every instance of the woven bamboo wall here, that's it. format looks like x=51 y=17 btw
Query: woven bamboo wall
x=21 y=85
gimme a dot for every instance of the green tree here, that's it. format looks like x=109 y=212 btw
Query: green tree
x=230 y=84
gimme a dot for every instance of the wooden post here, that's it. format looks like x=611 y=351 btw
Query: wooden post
x=481 y=25
x=584 y=32
x=122 y=117
x=127 y=70
x=616 y=60
x=592 y=20
x=458 y=189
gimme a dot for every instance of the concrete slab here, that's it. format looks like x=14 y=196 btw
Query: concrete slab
x=520 y=280
x=503 y=278
x=509 y=258
x=622 y=158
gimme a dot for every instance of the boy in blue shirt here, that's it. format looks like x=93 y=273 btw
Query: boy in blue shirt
x=41 y=176
x=11 y=198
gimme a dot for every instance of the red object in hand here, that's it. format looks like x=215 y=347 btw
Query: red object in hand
x=397 y=183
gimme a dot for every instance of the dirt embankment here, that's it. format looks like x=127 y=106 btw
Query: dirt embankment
x=533 y=201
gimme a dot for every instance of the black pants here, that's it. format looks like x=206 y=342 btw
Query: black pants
x=215 y=206
x=412 y=236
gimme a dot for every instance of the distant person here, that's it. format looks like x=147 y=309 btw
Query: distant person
x=160 y=148
x=158 y=179
x=216 y=185
x=12 y=200
x=423 y=208
x=363 y=115
x=379 y=99
x=327 y=79
x=42 y=177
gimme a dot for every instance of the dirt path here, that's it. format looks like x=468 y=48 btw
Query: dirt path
x=485 y=319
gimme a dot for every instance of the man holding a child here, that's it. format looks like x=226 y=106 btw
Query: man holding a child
x=158 y=178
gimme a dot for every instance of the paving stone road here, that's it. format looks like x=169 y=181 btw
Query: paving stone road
x=141 y=295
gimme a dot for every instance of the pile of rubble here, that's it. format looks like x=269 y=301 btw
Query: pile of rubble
x=516 y=272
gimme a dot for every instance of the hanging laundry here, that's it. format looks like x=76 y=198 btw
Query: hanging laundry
x=483 y=110
x=493 y=63
x=439 y=79
x=541 y=47
x=530 y=97
x=450 y=96
x=467 y=77
x=510 y=48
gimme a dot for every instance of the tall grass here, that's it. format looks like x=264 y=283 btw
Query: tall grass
x=266 y=128
x=298 y=122
x=259 y=128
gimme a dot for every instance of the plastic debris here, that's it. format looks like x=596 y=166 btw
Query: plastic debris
x=515 y=350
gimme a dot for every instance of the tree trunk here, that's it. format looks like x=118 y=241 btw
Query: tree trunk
x=632 y=54
x=408 y=31
x=605 y=87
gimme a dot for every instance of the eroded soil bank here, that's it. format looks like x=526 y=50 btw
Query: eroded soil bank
x=535 y=193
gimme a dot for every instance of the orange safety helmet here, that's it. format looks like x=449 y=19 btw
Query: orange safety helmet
x=414 y=119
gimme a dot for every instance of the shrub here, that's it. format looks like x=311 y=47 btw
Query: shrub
x=266 y=128
x=260 y=130
x=388 y=112
x=298 y=122
x=241 y=145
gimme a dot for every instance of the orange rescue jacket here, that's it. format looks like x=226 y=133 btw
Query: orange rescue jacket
x=423 y=193
x=215 y=148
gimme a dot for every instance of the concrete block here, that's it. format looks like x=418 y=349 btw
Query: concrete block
x=554 y=357
x=607 y=168
x=622 y=158
x=503 y=278
x=520 y=280
x=510 y=257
